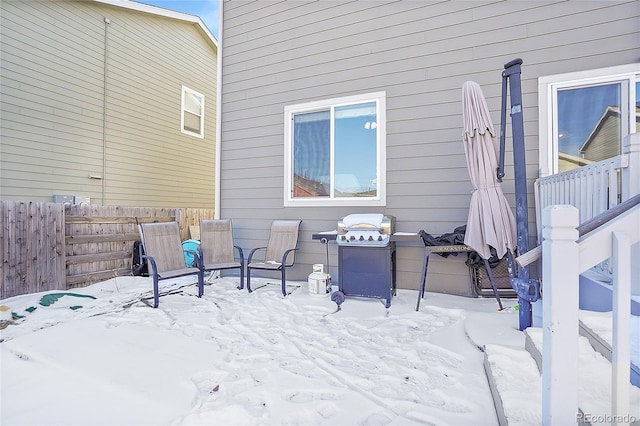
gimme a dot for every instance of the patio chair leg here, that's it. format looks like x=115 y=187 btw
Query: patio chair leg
x=241 y=277
x=156 y=296
x=200 y=282
x=249 y=279
x=284 y=281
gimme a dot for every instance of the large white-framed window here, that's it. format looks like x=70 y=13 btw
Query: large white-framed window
x=584 y=116
x=335 y=152
x=192 y=113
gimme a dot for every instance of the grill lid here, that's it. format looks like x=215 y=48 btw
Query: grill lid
x=365 y=230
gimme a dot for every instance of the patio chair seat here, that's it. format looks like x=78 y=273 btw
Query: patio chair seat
x=222 y=265
x=177 y=273
x=266 y=265
x=217 y=250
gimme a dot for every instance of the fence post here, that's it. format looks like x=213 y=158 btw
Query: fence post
x=560 y=330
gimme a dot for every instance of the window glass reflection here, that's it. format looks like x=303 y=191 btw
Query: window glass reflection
x=311 y=154
x=356 y=150
x=589 y=126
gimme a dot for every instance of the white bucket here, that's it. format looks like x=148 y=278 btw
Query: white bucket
x=319 y=282
x=5 y=313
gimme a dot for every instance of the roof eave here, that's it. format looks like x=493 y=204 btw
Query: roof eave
x=140 y=7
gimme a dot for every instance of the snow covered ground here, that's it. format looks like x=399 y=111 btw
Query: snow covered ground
x=238 y=358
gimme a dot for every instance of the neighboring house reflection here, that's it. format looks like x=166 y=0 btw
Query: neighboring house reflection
x=603 y=142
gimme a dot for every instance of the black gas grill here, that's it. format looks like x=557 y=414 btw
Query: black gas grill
x=366 y=256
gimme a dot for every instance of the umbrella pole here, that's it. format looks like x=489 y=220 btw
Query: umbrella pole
x=527 y=290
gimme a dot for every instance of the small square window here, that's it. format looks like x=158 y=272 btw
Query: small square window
x=192 y=113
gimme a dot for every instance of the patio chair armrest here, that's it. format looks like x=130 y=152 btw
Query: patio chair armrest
x=240 y=253
x=253 y=251
x=197 y=256
x=286 y=253
x=152 y=261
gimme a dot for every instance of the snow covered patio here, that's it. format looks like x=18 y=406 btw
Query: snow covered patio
x=233 y=358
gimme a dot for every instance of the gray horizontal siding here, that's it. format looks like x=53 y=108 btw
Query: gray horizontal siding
x=282 y=53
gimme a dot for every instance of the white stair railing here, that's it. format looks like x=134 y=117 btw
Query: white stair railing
x=593 y=188
x=566 y=255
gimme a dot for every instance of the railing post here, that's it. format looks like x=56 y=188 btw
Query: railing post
x=631 y=187
x=631 y=173
x=621 y=347
x=560 y=331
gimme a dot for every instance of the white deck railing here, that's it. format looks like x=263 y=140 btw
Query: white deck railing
x=594 y=188
x=565 y=256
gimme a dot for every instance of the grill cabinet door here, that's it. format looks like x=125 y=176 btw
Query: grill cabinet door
x=367 y=271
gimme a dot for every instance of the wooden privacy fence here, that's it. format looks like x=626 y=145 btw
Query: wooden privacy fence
x=49 y=246
x=32 y=251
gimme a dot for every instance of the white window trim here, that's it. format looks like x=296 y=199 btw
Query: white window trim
x=381 y=199
x=547 y=91
x=182 y=111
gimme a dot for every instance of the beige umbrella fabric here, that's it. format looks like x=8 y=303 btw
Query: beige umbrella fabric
x=491 y=222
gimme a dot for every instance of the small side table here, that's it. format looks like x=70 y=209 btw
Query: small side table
x=450 y=249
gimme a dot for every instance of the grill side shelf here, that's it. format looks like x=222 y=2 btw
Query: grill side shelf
x=403 y=237
x=330 y=236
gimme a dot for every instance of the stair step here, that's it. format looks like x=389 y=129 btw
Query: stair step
x=597 y=327
x=594 y=374
x=515 y=383
x=514 y=376
x=533 y=345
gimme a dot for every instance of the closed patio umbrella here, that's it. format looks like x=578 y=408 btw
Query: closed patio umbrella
x=491 y=222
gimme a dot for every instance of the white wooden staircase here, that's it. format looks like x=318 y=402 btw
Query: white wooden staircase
x=578 y=367
x=573 y=369
x=515 y=380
